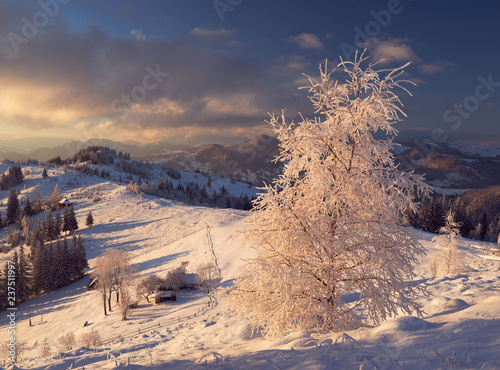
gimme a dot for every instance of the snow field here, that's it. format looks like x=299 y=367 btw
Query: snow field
x=460 y=328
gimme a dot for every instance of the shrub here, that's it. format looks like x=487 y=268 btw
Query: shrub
x=90 y=339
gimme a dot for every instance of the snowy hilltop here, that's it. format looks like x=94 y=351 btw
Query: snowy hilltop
x=459 y=327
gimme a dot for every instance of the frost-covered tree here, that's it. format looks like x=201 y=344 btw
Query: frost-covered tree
x=148 y=285
x=54 y=198
x=449 y=259
x=208 y=276
x=332 y=251
x=114 y=273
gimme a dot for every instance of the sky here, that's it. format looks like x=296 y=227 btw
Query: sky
x=197 y=72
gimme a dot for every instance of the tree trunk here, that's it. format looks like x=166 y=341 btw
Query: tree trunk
x=109 y=302
x=104 y=302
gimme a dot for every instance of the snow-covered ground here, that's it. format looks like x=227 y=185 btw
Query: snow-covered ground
x=460 y=328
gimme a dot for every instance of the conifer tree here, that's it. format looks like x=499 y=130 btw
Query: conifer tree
x=69 y=220
x=36 y=234
x=50 y=227
x=66 y=221
x=12 y=214
x=38 y=266
x=331 y=224
x=58 y=224
x=22 y=276
x=461 y=217
x=423 y=215
x=89 y=221
x=26 y=226
x=48 y=267
x=65 y=264
x=28 y=211
x=3 y=287
x=437 y=216
x=484 y=227
x=1 y=222
x=58 y=273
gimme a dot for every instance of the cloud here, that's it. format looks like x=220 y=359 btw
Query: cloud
x=138 y=35
x=390 y=50
x=306 y=41
x=213 y=35
x=435 y=67
x=63 y=78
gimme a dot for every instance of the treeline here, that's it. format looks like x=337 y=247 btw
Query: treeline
x=16 y=211
x=92 y=154
x=13 y=176
x=192 y=193
x=47 y=267
x=480 y=225
x=88 y=160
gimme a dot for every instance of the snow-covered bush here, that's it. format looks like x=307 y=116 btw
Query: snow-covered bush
x=449 y=259
x=332 y=251
x=66 y=342
x=90 y=339
x=45 y=348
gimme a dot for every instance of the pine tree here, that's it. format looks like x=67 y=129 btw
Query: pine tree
x=436 y=219
x=65 y=264
x=78 y=257
x=69 y=220
x=423 y=215
x=484 y=227
x=58 y=224
x=48 y=267
x=331 y=224
x=461 y=217
x=28 y=211
x=89 y=220
x=4 y=287
x=23 y=281
x=66 y=220
x=12 y=214
x=1 y=222
x=37 y=264
x=50 y=230
x=26 y=226
x=57 y=273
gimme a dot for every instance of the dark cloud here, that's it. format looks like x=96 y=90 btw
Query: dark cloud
x=81 y=76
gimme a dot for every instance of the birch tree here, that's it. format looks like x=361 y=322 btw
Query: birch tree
x=332 y=251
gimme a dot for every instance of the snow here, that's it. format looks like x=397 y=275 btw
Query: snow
x=459 y=329
x=485 y=151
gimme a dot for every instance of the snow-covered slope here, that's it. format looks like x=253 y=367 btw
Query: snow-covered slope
x=460 y=329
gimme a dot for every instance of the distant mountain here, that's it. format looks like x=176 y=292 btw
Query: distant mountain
x=449 y=166
x=453 y=166
x=136 y=150
x=251 y=161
